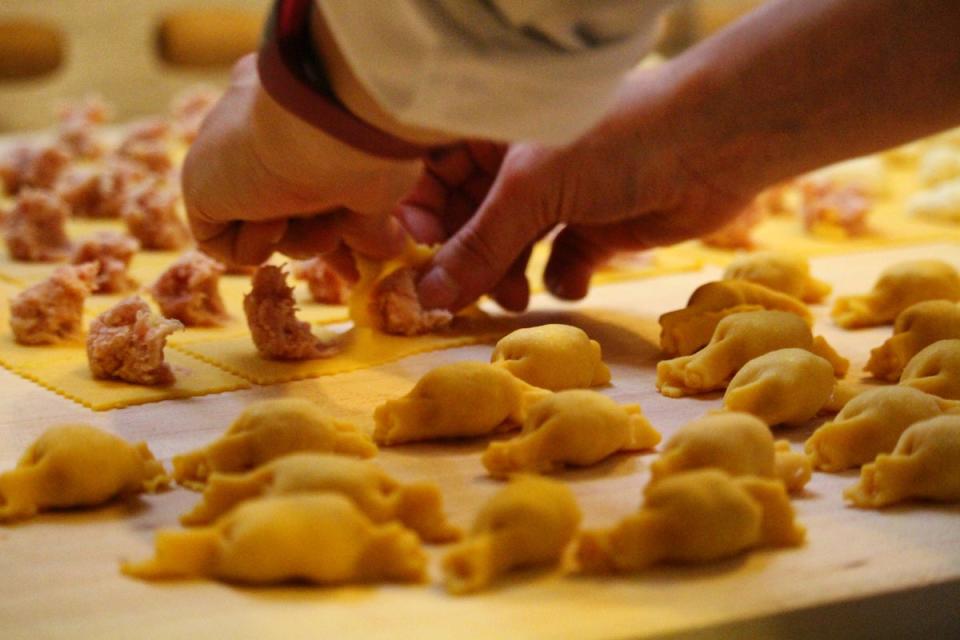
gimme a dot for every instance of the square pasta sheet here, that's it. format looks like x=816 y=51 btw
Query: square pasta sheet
x=63 y=369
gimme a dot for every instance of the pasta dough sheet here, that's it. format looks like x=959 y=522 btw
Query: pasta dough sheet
x=63 y=369
x=365 y=348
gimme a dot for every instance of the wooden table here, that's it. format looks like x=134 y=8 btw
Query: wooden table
x=860 y=574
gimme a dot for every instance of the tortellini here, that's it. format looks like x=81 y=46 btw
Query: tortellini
x=552 y=356
x=924 y=465
x=266 y=430
x=935 y=369
x=783 y=272
x=381 y=498
x=694 y=517
x=686 y=330
x=736 y=443
x=320 y=538
x=459 y=400
x=940 y=202
x=870 y=424
x=916 y=328
x=786 y=386
x=575 y=427
x=77 y=465
x=738 y=339
x=527 y=523
x=898 y=287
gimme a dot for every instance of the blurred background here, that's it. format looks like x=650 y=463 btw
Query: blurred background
x=138 y=54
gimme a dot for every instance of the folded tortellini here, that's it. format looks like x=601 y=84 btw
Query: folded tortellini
x=870 y=424
x=575 y=427
x=783 y=272
x=898 y=287
x=459 y=400
x=738 y=339
x=528 y=523
x=319 y=538
x=935 y=369
x=786 y=386
x=686 y=330
x=694 y=517
x=916 y=328
x=925 y=465
x=736 y=443
x=417 y=506
x=266 y=430
x=552 y=356
x=76 y=465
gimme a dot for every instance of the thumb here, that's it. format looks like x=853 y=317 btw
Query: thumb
x=477 y=257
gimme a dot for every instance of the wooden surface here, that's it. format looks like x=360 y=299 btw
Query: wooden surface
x=859 y=569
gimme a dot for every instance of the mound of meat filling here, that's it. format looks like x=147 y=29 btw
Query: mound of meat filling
x=112 y=253
x=271 y=315
x=152 y=217
x=326 y=285
x=126 y=343
x=395 y=305
x=189 y=291
x=51 y=311
x=36 y=227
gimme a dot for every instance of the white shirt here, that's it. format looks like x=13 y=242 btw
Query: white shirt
x=494 y=69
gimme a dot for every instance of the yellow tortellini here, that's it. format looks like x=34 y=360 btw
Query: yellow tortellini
x=870 y=424
x=552 y=356
x=320 y=538
x=925 y=465
x=381 y=498
x=736 y=443
x=686 y=330
x=916 y=328
x=898 y=287
x=459 y=400
x=694 y=517
x=266 y=430
x=783 y=272
x=738 y=339
x=76 y=465
x=575 y=427
x=527 y=523
x=786 y=386
x=935 y=369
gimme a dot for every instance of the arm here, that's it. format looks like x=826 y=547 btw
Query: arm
x=795 y=85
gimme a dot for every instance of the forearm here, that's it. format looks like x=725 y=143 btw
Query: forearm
x=803 y=83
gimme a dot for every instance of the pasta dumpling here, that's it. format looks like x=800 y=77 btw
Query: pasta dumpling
x=552 y=356
x=935 y=369
x=77 y=465
x=459 y=400
x=924 y=465
x=319 y=538
x=786 y=386
x=266 y=430
x=738 y=339
x=898 y=287
x=694 y=517
x=575 y=427
x=736 y=443
x=527 y=523
x=783 y=272
x=916 y=328
x=870 y=424
x=381 y=498
x=686 y=330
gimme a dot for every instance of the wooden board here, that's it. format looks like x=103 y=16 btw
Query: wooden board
x=59 y=576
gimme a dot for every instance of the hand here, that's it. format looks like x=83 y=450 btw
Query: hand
x=259 y=180
x=625 y=185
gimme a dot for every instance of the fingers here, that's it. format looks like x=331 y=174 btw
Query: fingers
x=376 y=236
x=479 y=255
x=513 y=292
x=244 y=243
x=575 y=254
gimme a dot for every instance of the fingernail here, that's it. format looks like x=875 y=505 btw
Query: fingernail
x=437 y=290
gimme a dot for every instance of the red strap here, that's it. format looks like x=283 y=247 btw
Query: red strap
x=291 y=75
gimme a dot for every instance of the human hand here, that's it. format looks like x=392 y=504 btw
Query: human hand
x=625 y=185
x=259 y=180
